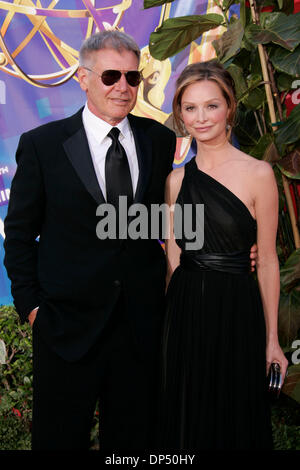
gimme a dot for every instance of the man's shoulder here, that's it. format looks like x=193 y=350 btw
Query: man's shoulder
x=56 y=127
x=150 y=125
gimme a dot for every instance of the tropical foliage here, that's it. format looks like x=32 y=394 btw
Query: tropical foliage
x=15 y=381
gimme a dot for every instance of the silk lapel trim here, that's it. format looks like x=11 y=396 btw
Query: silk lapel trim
x=144 y=154
x=78 y=152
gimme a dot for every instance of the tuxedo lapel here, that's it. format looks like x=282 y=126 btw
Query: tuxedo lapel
x=143 y=146
x=78 y=152
x=77 y=149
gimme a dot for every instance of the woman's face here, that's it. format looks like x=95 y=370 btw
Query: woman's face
x=204 y=111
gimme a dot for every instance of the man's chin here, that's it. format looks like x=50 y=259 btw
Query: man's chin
x=121 y=112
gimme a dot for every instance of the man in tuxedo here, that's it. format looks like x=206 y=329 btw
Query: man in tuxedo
x=95 y=305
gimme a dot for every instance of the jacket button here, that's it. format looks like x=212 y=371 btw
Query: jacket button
x=117 y=283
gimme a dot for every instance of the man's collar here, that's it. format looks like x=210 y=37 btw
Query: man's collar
x=100 y=128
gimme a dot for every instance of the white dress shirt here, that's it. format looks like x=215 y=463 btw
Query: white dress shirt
x=96 y=130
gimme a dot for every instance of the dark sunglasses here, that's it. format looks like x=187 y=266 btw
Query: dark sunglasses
x=110 y=77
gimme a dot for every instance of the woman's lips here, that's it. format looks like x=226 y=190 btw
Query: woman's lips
x=202 y=129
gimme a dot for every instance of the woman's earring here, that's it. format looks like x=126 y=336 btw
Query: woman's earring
x=185 y=131
x=183 y=128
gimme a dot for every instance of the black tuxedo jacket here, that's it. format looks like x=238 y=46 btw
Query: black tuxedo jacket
x=52 y=253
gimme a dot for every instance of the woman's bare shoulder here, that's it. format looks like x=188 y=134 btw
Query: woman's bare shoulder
x=173 y=184
x=175 y=177
x=258 y=168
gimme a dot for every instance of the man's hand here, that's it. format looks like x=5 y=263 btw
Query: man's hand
x=32 y=316
x=253 y=256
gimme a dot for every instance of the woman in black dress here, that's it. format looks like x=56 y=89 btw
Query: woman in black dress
x=220 y=333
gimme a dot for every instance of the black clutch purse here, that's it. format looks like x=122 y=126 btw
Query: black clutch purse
x=275 y=379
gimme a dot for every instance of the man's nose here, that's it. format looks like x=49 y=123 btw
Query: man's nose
x=122 y=84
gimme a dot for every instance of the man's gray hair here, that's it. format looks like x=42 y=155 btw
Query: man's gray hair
x=112 y=39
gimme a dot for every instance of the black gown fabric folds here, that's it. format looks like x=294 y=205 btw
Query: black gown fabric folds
x=214 y=393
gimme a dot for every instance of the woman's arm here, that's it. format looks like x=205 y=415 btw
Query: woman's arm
x=266 y=210
x=173 y=184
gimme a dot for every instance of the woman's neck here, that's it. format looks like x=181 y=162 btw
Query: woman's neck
x=211 y=155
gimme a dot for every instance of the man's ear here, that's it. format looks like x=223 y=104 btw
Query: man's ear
x=82 y=74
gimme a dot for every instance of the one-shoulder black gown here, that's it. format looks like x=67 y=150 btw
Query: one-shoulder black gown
x=214 y=366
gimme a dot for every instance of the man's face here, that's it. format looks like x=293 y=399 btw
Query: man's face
x=110 y=103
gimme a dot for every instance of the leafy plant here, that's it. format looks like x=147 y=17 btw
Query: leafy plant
x=14 y=434
x=15 y=381
x=289 y=312
x=285 y=414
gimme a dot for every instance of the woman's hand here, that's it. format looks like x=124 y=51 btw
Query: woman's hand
x=274 y=353
x=32 y=316
x=253 y=257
